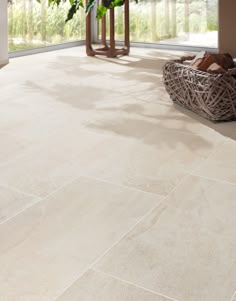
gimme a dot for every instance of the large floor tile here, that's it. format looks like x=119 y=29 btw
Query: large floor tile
x=11 y=147
x=12 y=202
x=125 y=116
x=27 y=109
x=184 y=249
x=154 y=163
x=47 y=247
x=95 y=286
x=221 y=164
x=47 y=167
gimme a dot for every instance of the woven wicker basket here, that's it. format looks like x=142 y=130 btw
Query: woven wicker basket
x=209 y=95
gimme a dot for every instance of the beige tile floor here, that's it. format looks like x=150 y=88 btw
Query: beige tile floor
x=109 y=192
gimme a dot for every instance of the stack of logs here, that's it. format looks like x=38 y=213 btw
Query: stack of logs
x=212 y=63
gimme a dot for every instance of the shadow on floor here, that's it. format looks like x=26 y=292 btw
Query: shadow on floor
x=86 y=72
x=227 y=129
x=2 y=66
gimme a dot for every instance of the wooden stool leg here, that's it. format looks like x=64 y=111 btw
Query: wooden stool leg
x=127 y=33
x=89 y=48
x=111 y=52
x=104 y=32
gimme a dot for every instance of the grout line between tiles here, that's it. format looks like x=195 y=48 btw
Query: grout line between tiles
x=124 y=186
x=37 y=200
x=213 y=179
x=132 y=284
x=131 y=229
x=19 y=190
x=41 y=199
x=232 y=299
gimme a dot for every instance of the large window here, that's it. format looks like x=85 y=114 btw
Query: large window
x=32 y=24
x=176 y=22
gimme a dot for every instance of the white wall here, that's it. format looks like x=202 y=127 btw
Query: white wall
x=3 y=33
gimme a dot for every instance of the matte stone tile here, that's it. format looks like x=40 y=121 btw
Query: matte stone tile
x=95 y=286
x=44 y=169
x=124 y=115
x=52 y=124
x=184 y=249
x=221 y=165
x=45 y=248
x=11 y=147
x=12 y=202
x=154 y=163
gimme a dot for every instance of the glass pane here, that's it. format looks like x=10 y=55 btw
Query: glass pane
x=32 y=24
x=175 y=22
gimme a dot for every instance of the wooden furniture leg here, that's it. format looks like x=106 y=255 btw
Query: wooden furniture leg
x=111 y=50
